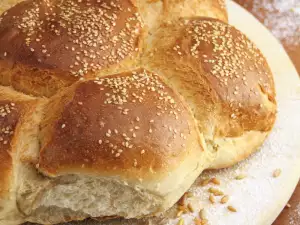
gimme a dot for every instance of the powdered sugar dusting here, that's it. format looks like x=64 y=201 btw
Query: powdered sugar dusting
x=259 y=170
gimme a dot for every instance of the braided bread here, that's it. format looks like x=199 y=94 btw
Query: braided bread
x=114 y=108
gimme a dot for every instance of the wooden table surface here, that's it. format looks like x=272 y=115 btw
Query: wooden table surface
x=282 y=17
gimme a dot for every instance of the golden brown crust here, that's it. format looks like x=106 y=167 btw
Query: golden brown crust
x=156 y=12
x=190 y=8
x=124 y=124
x=13 y=107
x=9 y=117
x=229 y=80
x=64 y=40
x=34 y=81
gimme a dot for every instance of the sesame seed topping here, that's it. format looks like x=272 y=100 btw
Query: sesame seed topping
x=85 y=26
x=228 y=57
x=134 y=162
x=100 y=123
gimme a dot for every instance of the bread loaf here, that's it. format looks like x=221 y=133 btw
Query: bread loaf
x=223 y=77
x=114 y=108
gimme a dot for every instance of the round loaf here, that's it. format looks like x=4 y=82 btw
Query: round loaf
x=129 y=135
x=48 y=45
x=223 y=77
x=137 y=101
x=129 y=123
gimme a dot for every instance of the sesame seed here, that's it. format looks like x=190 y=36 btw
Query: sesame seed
x=135 y=163
x=276 y=173
x=224 y=199
x=215 y=191
x=240 y=177
x=190 y=207
x=63 y=126
x=202 y=214
x=180 y=222
x=215 y=181
x=179 y=213
x=231 y=208
x=212 y=199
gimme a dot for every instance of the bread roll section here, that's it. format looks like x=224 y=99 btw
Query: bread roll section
x=48 y=45
x=224 y=78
